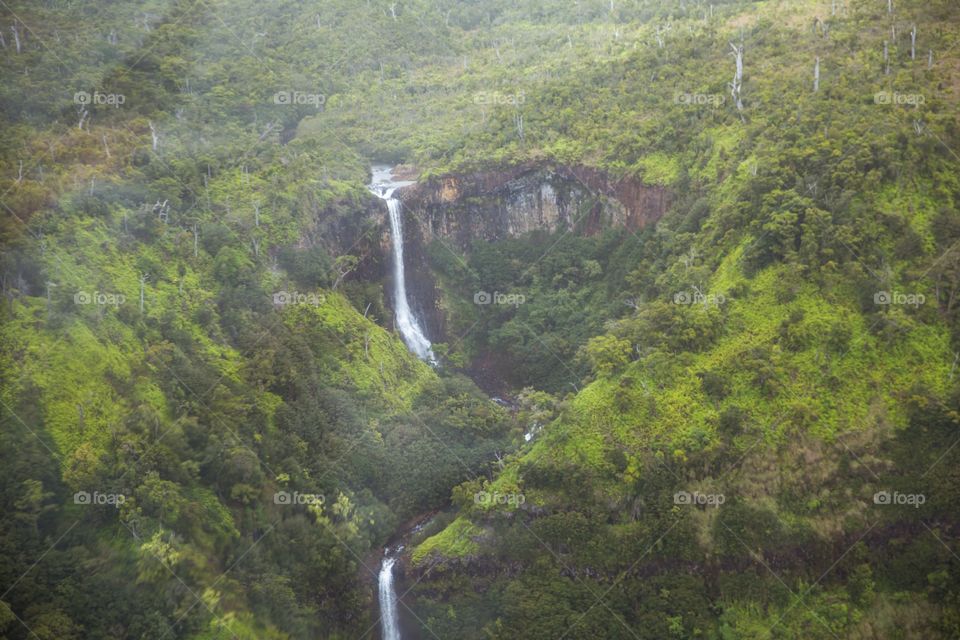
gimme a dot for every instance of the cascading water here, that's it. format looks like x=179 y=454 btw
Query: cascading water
x=383 y=187
x=388 y=599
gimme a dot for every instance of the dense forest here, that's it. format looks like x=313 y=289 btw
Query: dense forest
x=690 y=271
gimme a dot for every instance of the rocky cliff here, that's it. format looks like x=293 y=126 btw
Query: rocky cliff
x=492 y=205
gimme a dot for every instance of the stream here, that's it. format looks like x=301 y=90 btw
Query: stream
x=383 y=185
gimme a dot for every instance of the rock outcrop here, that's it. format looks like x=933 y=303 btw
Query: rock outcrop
x=497 y=204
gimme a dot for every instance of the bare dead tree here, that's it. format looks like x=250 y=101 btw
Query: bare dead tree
x=816 y=75
x=660 y=33
x=143 y=282
x=913 y=43
x=155 y=139
x=737 y=77
x=16 y=35
x=886 y=58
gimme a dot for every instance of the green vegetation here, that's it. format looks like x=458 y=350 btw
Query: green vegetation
x=717 y=405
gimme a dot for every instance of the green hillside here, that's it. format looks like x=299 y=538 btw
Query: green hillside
x=738 y=421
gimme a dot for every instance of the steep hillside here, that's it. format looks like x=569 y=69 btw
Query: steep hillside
x=717 y=308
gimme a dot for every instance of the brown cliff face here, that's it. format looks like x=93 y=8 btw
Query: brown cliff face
x=493 y=205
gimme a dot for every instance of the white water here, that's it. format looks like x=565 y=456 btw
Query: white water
x=383 y=187
x=388 y=599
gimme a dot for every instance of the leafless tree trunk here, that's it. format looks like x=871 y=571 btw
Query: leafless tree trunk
x=886 y=58
x=816 y=76
x=913 y=43
x=153 y=135
x=143 y=281
x=196 y=237
x=737 y=78
x=16 y=35
x=83 y=113
x=930 y=59
x=105 y=147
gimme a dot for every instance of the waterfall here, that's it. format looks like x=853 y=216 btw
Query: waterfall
x=388 y=599
x=410 y=329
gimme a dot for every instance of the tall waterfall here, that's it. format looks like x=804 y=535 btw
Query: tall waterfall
x=407 y=323
x=388 y=599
